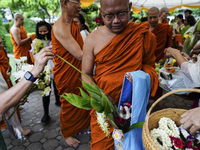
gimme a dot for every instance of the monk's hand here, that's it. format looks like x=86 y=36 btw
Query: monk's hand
x=171 y=52
x=191 y=120
x=41 y=59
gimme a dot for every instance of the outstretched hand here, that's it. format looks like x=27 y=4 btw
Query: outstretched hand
x=191 y=120
x=41 y=59
x=171 y=52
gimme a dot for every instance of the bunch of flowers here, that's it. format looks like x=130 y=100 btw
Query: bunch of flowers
x=169 y=137
x=169 y=65
x=19 y=62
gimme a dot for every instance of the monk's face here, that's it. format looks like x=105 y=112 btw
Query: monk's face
x=20 y=20
x=164 y=14
x=73 y=8
x=115 y=14
x=153 y=18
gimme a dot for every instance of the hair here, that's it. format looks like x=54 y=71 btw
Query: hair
x=180 y=16
x=17 y=15
x=102 y=0
x=82 y=21
x=43 y=23
x=191 y=20
x=164 y=9
x=144 y=19
x=153 y=9
x=189 y=11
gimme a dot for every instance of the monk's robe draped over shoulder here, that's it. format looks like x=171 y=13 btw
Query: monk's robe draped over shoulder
x=131 y=50
x=22 y=50
x=163 y=35
x=4 y=64
x=67 y=79
x=166 y=21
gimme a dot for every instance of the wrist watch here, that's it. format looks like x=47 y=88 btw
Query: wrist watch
x=28 y=76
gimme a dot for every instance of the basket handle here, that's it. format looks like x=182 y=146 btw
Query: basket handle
x=168 y=94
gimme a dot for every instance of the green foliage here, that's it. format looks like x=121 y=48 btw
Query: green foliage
x=7 y=26
x=3 y=31
x=29 y=25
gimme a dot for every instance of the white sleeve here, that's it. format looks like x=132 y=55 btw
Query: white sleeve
x=191 y=73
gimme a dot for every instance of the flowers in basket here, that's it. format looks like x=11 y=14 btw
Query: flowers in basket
x=170 y=137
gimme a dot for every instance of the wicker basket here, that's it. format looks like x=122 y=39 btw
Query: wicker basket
x=151 y=121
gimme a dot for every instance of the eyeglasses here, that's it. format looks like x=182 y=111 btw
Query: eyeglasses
x=111 y=17
x=78 y=3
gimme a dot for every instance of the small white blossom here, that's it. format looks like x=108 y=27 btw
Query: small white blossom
x=103 y=122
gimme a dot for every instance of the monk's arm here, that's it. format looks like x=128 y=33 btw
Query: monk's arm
x=169 y=37
x=88 y=60
x=17 y=37
x=65 y=37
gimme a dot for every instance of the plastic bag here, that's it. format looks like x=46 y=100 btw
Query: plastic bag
x=14 y=125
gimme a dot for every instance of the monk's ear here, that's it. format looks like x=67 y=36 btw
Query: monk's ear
x=65 y=3
x=130 y=5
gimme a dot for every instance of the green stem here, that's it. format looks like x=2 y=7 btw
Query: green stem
x=74 y=67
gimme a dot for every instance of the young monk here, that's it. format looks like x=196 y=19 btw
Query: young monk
x=116 y=48
x=67 y=42
x=21 y=43
x=164 y=12
x=162 y=32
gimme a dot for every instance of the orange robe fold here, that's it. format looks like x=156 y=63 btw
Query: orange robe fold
x=163 y=35
x=131 y=50
x=4 y=64
x=166 y=21
x=22 y=50
x=67 y=79
x=178 y=39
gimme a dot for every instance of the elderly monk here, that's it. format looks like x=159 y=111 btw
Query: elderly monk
x=21 y=43
x=162 y=32
x=116 y=48
x=5 y=70
x=164 y=12
x=67 y=42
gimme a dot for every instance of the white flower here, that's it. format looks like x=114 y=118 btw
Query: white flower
x=17 y=61
x=47 y=70
x=23 y=58
x=103 y=122
x=46 y=91
x=18 y=75
x=27 y=67
x=127 y=114
x=184 y=132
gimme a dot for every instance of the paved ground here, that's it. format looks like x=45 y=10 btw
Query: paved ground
x=48 y=136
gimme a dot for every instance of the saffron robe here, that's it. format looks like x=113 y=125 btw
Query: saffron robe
x=178 y=39
x=132 y=49
x=22 y=50
x=4 y=64
x=166 y=21
x=163 y=35
x=67 y=79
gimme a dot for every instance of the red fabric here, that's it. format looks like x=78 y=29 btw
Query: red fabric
x=163 y=35
x=131 y=50
x=23 y=49
x=67 y=79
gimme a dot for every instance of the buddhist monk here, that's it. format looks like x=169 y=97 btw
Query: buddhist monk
x=67 y=42
x=116 y=48
x=21 y=43
x=5 y=70
x=164 y=12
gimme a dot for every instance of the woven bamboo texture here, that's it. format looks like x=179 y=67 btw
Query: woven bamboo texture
x=151 y=121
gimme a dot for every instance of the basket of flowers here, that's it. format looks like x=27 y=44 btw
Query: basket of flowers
x=162 y=129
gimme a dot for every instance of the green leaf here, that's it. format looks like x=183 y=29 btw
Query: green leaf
x=111 y=118
x=83 y=94
x=78 y=101
x=91 y=88
x=97 y=106
x=136 y=125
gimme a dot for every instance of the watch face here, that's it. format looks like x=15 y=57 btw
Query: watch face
x=27 y=75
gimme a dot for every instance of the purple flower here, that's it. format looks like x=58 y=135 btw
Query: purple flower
x=191 y=138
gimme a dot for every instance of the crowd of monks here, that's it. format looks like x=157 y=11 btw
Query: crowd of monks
x=117 y=47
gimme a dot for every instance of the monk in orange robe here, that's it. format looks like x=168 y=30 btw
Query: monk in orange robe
x=116 y=48
x=67 y=43
x=162 y=32
x=21 y=43
x=5 y=70
x=164 y=12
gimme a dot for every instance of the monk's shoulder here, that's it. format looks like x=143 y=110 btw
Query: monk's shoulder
x=61 y=30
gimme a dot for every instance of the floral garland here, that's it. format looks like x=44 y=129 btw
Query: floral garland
x=103 y=123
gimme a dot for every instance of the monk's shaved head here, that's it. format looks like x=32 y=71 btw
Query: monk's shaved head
x=164 y=9
x=154 y=9
x=108 y=0
x=17 y=15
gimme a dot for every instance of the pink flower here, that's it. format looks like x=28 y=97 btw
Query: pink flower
x=188 y=144
x=98 y=20
x=178 y=143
